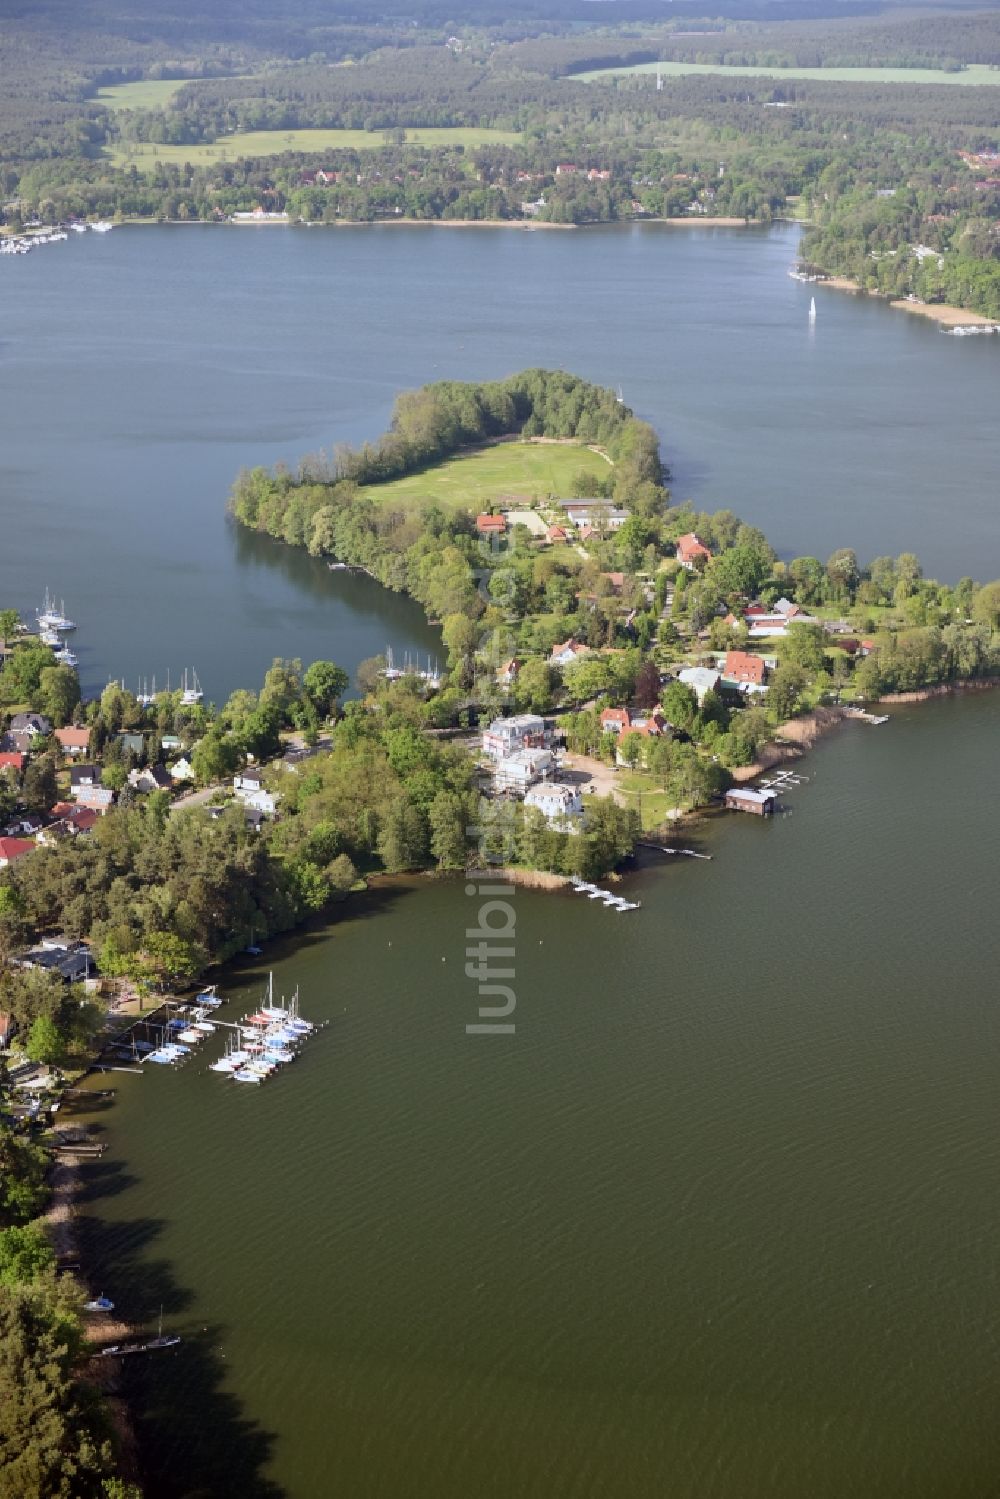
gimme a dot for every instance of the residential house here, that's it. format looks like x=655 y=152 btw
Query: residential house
x=505 y=735
x=624 y=723
x=491 y=525
x=151 y=778
x=6 y=1029
x=84 y=775
x=248 y=781
x=100 y=798
x=615 y=720
x=170 y=742
x=744 y=670
x=181 y=770
x=261 y=801
x=12 y=849
x=11 y=760
x=701 y=679
x=35 y=725
x=556 y=801
x=569 y=651
x=73 y=740
x=132 y=744
x=521 y=769
x=70 y=819
x=507 y=673
x=72 y=961
x=690 y=551
x=557 y=534
x=599 y=514
x=566 y=169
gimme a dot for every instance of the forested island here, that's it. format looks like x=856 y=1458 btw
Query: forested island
x=492 y=122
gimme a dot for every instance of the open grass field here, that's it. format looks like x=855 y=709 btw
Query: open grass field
x=148 y=93
x=976 y=73
x=145 y=155
x=471 y=482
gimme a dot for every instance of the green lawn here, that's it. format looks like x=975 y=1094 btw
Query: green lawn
x=148 y=93
x=976 y=73
x=645 y=796
x=273 y=142
x=525 y=470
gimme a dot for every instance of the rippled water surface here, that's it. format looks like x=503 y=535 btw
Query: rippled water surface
x=719 y=1222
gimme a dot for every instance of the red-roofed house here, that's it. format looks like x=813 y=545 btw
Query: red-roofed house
x=745 y=669
x=491 y=525
x=12 y=761
x=507 y=674
x=616 y=720
x=623 y=721
x=14 y=848
x=569 y=651
x=556 y=533
x=689 y=549
x=72 y=740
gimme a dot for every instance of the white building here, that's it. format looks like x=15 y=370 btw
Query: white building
x=181 y=770
x=518 y=771
x=555 y=800
x=701 y=678
x=260 y=801
x=505 y=735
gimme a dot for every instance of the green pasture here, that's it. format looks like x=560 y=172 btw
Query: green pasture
x=473 y=481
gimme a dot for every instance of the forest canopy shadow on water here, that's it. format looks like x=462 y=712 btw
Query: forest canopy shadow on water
x=192 y=1437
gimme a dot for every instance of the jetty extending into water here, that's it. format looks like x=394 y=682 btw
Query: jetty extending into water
x=865 y=717
x=607 y=897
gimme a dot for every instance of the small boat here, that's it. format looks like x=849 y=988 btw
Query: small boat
x=99 y=1304
x=101 y=226
x=244 y=1075
x=49 y=636
x=337 y=567
x=204 y=1026
x=812 y=310
x=162 y=1057
x=65 y=656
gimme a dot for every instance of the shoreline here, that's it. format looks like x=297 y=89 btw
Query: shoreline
x=942 y=313
x=688 y=221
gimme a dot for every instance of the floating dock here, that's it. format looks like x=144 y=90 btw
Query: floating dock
x=594 y=892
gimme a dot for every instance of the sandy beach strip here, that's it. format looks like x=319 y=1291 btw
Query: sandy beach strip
x=939 y=312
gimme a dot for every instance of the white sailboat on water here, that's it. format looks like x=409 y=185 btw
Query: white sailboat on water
x=812 y=309
x=191 y=694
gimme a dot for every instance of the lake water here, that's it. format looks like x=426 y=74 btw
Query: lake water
x=141 y=369
x=720 y=1221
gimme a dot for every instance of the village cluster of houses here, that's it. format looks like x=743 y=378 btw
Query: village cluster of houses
x=88 y=798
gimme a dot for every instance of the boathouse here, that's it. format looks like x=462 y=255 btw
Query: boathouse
x=745 y=799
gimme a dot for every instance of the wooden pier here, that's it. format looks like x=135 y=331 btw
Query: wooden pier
x=684 y=853
x=864 y=716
